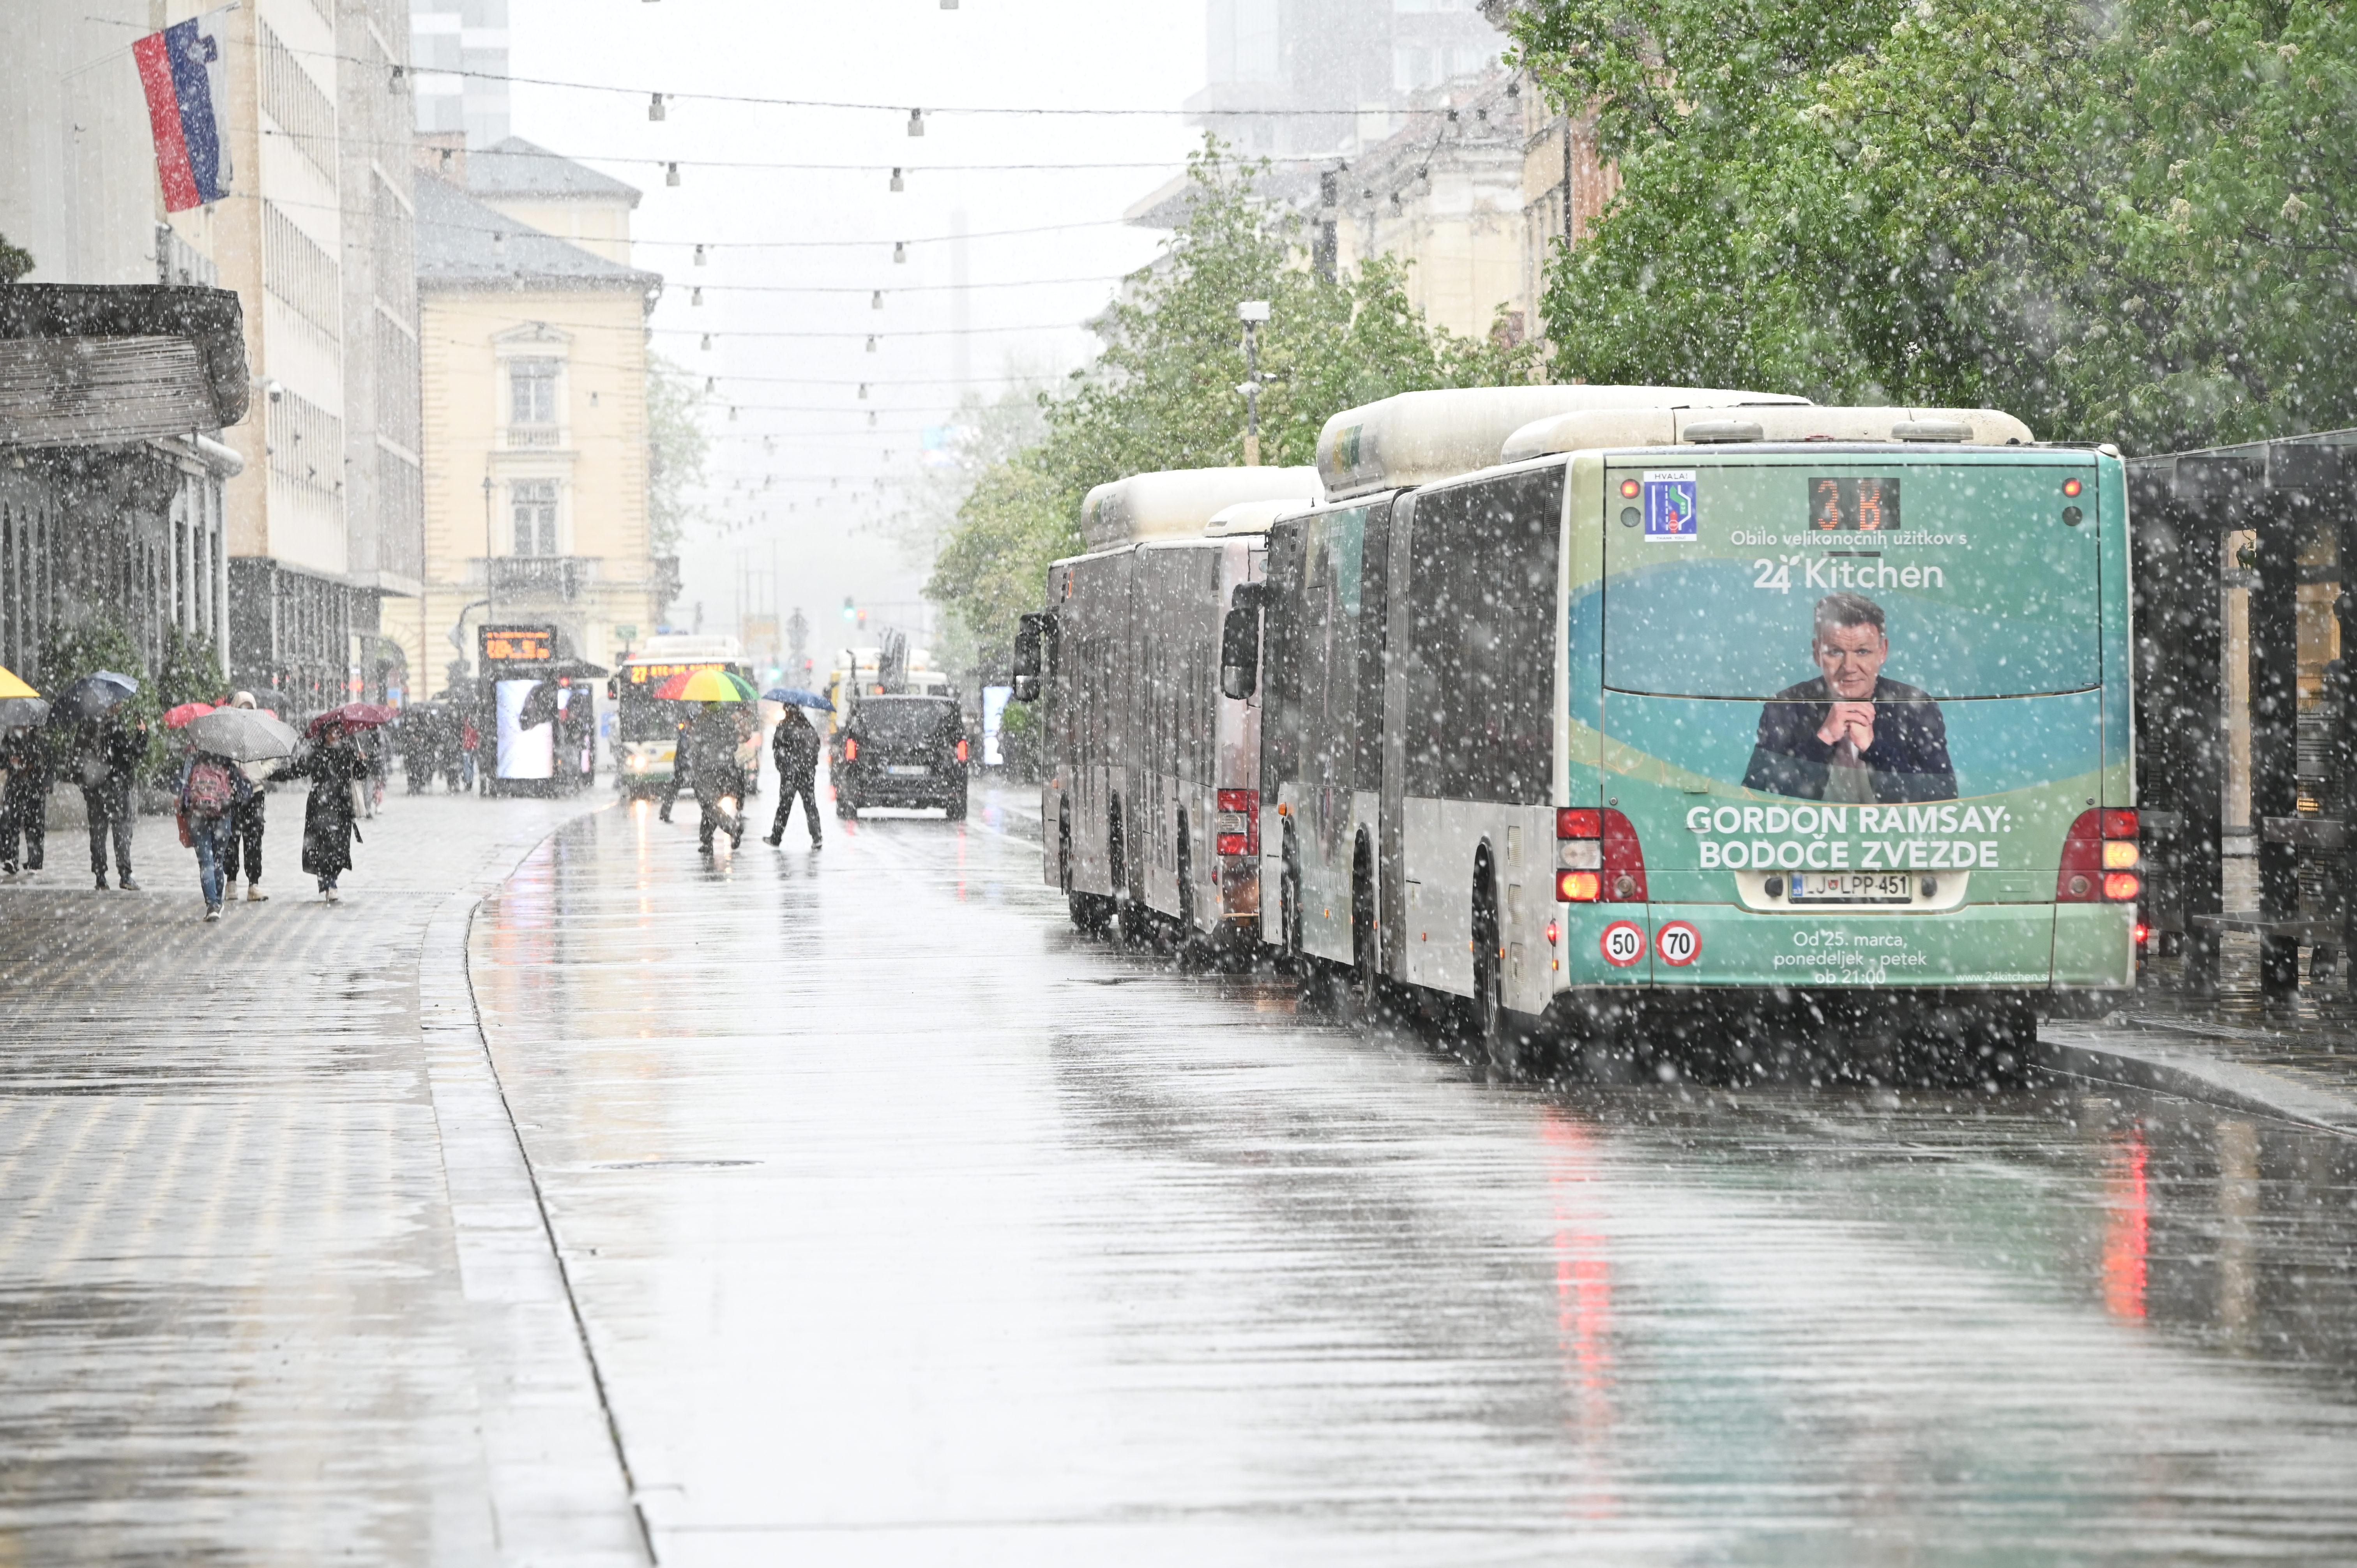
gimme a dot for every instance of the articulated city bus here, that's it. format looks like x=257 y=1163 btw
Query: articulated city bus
x=1670 y=701
x=1151 y=806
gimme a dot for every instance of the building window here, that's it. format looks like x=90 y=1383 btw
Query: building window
x=532 y=391
x=534 y=504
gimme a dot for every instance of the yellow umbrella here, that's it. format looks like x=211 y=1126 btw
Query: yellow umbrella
x=12 y=686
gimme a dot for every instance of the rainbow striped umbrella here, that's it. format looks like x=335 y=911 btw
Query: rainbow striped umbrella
x=710 y=684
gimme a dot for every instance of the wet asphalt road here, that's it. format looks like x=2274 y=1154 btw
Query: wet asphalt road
x=907 y=1225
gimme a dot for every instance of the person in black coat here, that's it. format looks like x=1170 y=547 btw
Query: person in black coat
x=25 y=807
x=793 y=747
x=718 y=776
x=108 y=760
x=332 y=766
x=1850 y=735
x=682 y=741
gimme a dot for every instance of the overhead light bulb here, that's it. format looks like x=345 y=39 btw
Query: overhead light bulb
x=871 y=419
x=863 y=389
x=732 y=410
x=699 y=255
x=707 y=342
x=899 y=251
x=916 y=122
x=671 y=174
x=895 y=181
x=695 y=297
x=655 y=107
x=711 y=384
x=876 y=301
x=871 y=342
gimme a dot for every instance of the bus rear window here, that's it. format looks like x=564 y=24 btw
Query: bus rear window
x=1974 y=580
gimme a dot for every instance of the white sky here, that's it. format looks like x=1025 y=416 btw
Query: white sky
x=907 y=53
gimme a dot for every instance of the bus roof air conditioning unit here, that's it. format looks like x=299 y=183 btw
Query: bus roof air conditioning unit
x=1178 y=503
x=1247 y=518
x=1610 y=429
x=1420 y=436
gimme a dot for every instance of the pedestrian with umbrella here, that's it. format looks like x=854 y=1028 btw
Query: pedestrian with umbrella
x=255 y=739
x=106 y=759
x=25 y=802
x=334 y=764
x=794 y=746
x=211 y=789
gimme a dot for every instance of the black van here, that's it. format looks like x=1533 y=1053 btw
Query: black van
x=902 y=751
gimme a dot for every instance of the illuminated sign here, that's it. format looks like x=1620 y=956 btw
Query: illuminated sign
x=656 y=674
x=519 y=644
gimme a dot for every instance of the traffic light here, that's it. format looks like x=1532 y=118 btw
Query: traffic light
x=848 y=612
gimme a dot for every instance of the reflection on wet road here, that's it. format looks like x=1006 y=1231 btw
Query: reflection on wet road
x=908 y=1225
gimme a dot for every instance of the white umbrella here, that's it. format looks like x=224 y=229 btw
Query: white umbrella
x=242 y=735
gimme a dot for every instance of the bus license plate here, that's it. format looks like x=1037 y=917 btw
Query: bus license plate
x=1853 y=887
x=907 y=771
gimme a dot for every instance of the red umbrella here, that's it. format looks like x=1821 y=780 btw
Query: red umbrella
x=185 y=711
x=353 y=716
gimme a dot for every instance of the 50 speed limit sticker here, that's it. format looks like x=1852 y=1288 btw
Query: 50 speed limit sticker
x=1623 y=943
x=1678 y=944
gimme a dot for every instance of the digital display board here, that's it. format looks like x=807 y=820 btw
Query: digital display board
x=1853 y=506
x=519 y=644
x=656 y=674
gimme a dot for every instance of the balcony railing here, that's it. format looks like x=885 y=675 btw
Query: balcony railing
x=521 y=437
x=561 y=578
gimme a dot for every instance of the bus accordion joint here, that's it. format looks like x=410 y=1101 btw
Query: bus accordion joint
x=1598 y=856
x=1239 y=830
x=2101 y=860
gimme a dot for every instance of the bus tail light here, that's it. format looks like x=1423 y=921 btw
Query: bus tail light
x=964 y=749
x=850 y=749
x=2101 y=860
x=1239 y=830
x=1599 y=857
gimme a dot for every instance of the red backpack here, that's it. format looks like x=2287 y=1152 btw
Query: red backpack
x=211 y=790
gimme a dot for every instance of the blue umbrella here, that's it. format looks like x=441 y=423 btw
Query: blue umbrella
x=93 y=696
x=795 y=697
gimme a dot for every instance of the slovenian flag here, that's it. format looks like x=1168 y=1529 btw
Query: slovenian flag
x=184 y=70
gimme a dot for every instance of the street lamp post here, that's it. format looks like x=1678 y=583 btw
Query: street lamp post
x=490 y=579
x=1252 y=312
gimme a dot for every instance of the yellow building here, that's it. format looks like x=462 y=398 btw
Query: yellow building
x=535 y=412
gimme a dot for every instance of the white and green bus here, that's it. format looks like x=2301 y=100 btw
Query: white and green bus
x=1682 y=699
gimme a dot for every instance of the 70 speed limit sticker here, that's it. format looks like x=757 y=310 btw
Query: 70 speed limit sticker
x=1623 y=943
x=1678 y=943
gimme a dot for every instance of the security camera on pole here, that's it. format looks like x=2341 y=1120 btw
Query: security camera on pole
x=1252 y=312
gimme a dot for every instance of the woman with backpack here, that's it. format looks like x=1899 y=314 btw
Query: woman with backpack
x=211 y=790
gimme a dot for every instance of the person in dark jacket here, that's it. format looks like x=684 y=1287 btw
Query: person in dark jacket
x=1850 y=735
x=107 y=760
x=246 y=825
x=332 y=766
x=683 y=740
x=719 y=778
x=25 y=807
x=793 y=746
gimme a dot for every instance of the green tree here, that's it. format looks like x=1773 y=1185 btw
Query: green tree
x=1162 y=392
x=2127 y=222
x=15 y=261
x=677 y=448
x=102 y=642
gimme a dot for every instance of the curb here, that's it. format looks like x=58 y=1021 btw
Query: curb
x=2137 y=1061
x=559 y=1486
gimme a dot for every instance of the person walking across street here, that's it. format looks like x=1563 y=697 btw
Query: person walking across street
x=683 y=740
x=211 y=789
x=108 y=757
x=719 y=779
x=25 y=806
x=471 y=741
x=246 y=824
x=333 y=766
x=793 y=747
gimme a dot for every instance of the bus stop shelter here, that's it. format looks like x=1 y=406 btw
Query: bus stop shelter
x=2294 y=497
